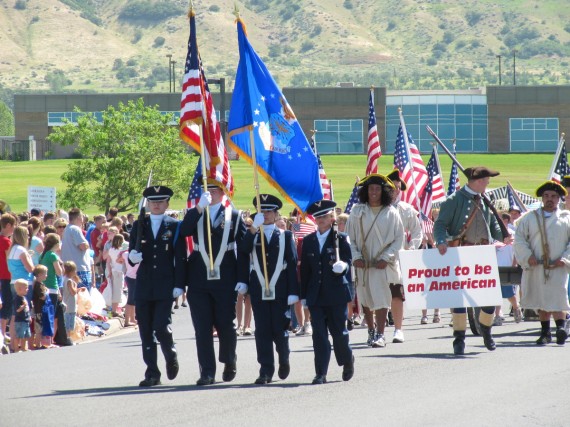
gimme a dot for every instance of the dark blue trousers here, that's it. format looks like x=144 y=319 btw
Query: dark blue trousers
x=488 y=310
x=271 y=326
x=331 y=319
x=209 y=309
x=154 y=320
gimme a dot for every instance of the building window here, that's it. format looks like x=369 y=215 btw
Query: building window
x=339 y=136
x=533 y=134
x=462 y=118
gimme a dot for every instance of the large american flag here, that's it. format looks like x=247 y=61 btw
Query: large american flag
x=197 y=115
x=454 y=184
x=411 y=170
x=325 y=183
x=374 y=151
x=434 y=189
x=561 y=168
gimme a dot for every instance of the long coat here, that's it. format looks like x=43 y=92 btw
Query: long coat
x=539 y=291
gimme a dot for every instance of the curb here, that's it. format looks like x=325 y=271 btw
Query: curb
x=115 y=328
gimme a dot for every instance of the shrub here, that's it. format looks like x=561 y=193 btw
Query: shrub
x=159 y=41
x=20 y=5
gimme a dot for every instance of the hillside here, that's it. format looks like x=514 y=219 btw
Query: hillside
x=121 y=45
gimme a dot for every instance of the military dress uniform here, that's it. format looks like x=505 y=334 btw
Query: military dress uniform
x=327 y=294
x=271 y=312
x=161 y=269
x=464 y=220
x=212 y=299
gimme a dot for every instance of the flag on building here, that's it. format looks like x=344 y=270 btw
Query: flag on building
x=198 y=117
x=560 y=166
x=260 y=112
x=325 y=183
x=434 y=188
x=353 y=199
x=374 y=151
x=409 y=162
x=454 y=184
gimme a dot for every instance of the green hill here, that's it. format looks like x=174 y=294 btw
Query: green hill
x=121 y=45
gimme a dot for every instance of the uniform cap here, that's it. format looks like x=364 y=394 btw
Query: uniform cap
x=268 y=202
x=320 y=208
x=158 y=193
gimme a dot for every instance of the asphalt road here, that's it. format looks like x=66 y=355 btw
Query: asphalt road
x=417 y=383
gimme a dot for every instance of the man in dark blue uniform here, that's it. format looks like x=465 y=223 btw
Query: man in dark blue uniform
x=212 y=280
x=271 y=296
x=159 y=277
x=325 y=267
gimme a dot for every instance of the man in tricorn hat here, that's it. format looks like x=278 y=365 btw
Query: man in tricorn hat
x=413 y=240
x=376 y=235
x=464 y=220
x=271 y=296
x=212 y=291
x=325 y=270
x=541 y=248
x=160 y=275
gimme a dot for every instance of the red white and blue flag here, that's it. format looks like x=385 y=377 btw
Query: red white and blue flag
x=325 y=183
x=374 y=150
x=198 y=118
x=560 y=168
x=454 y=184
x=432 y=193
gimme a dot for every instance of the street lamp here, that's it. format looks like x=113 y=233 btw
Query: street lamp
x=173 y=77
x=499 y=56
x=169 y=56
x=514 y=67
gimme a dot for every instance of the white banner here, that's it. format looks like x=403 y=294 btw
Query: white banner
x=464 y=277
x=42 y=198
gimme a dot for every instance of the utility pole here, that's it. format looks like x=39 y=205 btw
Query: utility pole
x=169 y=56
x=173 y=77
x=499 y=56
x=514 y=67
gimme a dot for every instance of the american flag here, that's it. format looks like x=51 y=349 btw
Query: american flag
x=303 y=227
x=454 y=184
x=353 y=199
x=196 y=187
x=426 y=224
x=434 y=188
x=561 y=169
x=511 y=198
x=197 y=110
x=325 y=184
x=410 y=174
x=374 y=151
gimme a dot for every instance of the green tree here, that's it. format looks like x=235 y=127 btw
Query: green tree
x=6 y=120
x=118 y=154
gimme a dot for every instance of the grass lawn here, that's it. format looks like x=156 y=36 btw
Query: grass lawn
x=524 y=171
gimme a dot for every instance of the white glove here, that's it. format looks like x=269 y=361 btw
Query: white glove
x=135 y=257
x=258 y=219
x=241 y=288
x=292 y=299
x=176 y=292
x=339 y=267
x=205 y=199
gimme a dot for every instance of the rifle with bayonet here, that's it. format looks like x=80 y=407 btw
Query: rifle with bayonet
x=142 y=214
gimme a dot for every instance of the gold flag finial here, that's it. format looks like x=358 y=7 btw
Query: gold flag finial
x=191 y=12
x=236 y=11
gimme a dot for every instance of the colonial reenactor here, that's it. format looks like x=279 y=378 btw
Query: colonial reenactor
x=161 y=273
x=376 y=235
x=325 y=285
x=413 y=240
x=542 y=249
x=464 y=220
x=271 y=295
x=212 y=287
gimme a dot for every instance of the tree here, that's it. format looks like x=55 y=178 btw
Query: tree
x=118 y=154
x=6 y=120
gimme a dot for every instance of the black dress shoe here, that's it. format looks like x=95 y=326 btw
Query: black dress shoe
x=263 y=379
x=149 y=382
x=348 y=370
x=283 y=371
x=229 y=372
x=205 y=380
x=172 y=368
x=320 y=379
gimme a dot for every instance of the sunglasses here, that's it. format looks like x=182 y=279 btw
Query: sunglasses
x=61 y=226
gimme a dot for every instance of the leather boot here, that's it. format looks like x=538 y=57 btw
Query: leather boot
x=487 y=337
x=459 y=343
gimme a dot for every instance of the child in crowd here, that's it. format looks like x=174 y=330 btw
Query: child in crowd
x=5 y=349
x=40 y=293
x=118 y=275
x=70 y=295
x=21 y=316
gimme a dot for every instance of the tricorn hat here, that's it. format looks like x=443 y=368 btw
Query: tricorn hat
x=158 y=193
x=478 y=172
x=551 y=186
x=566 y=181
x=268 y=202
x=376 y=178
x=320 y=208
x=395 y=176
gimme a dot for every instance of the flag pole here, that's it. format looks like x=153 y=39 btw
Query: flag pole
x=205 y=184
x=407 y=144
x=558 y=150
x=258 y=203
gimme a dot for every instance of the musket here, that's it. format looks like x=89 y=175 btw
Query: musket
x=142 y=214
x=486 y=200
